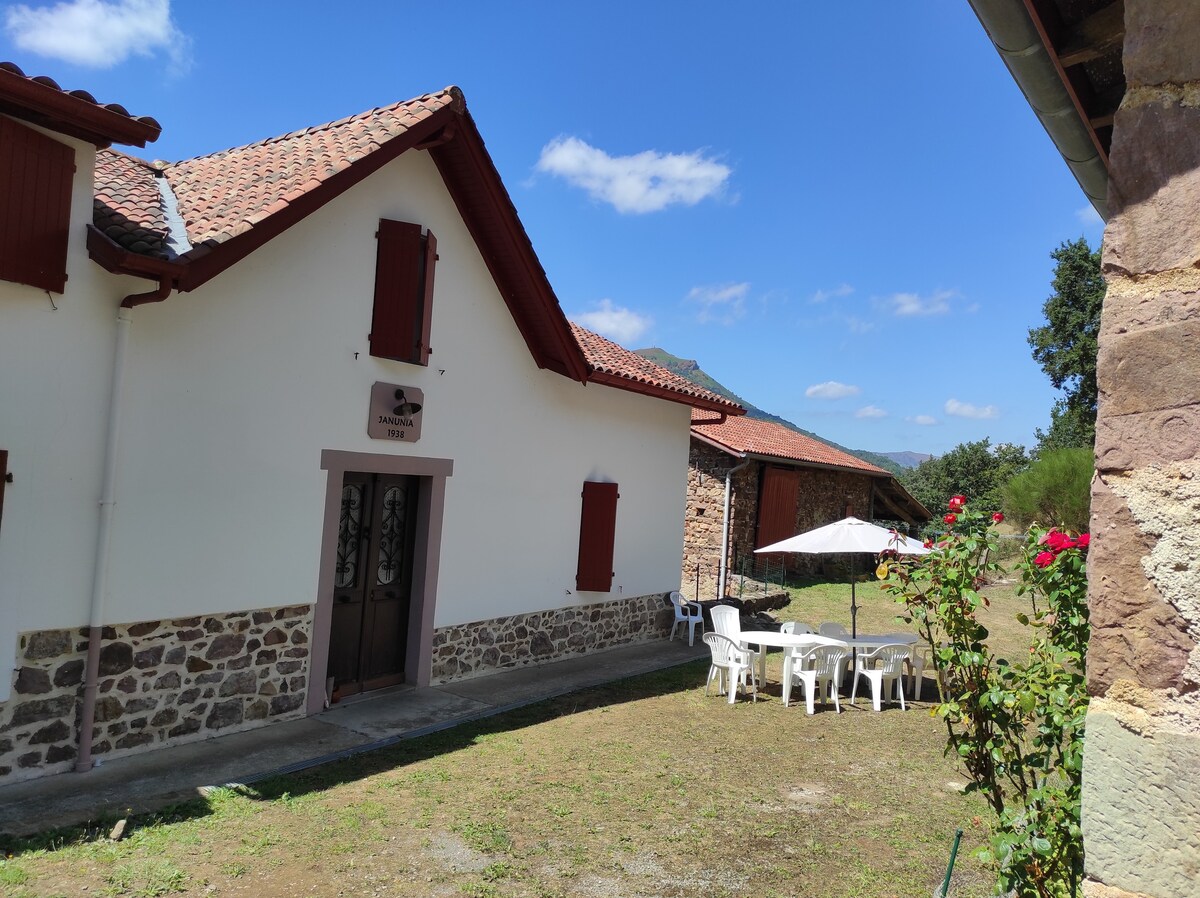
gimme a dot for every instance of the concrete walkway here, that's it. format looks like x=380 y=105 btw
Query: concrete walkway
x=146 y=782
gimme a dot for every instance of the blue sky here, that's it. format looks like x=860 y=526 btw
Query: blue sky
x=844 y=211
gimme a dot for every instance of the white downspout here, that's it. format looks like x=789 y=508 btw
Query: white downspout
x=108 y=503
x=725 y=530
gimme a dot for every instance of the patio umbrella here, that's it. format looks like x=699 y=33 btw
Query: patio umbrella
x=848 y=536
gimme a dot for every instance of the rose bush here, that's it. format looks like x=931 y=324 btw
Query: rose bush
x=1017 y=727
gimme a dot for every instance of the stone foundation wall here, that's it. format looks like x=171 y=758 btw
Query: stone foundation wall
x=481 y=647
x=160 y=682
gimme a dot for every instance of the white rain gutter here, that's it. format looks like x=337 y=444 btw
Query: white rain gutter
x=724 y=568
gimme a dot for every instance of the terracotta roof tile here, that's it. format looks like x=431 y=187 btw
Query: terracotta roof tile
x=747 y=436
x=76 y=112
x=127 y=206
x=605 y=356
x=225 y=194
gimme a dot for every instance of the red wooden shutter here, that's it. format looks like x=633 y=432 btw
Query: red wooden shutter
x=426 y=317
x=777 y=505
x=597 y=535
x=35 y=207
x=396 y=319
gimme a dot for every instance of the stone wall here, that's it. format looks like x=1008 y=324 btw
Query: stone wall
x=823 y=497
x=160 y=682
x=481 y=647
x=1142 y=748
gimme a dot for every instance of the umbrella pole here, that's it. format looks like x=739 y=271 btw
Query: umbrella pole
x=853 y=603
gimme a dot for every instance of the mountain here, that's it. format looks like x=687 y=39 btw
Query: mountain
x=690 y=369
x=907 y=459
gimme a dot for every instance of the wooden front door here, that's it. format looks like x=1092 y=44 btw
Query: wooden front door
x=372 y=590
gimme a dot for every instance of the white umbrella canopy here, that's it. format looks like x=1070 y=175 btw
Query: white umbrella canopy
x=849 y=535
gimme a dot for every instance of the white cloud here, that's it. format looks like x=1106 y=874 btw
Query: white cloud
x=861 y=325
x=831 y=389
x=836 y=293
x=870 y=411
x=966 y=410
x=98 y=34
x=720 y=303
x=923 y=420
x=1089 y=217
x=623 y=325
x=645 y=182
x=909 y=304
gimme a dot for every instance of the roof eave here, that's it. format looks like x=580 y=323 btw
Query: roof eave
x=636 y=386
x=52 y=108
x=825 y=466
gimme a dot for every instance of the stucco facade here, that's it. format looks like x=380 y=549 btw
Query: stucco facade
x=243 y=404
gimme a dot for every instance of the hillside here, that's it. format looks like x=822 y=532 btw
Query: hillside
x=690 y=369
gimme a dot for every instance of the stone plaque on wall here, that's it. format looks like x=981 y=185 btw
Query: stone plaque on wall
x=395 y=413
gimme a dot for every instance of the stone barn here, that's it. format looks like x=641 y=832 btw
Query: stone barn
x=752 y=483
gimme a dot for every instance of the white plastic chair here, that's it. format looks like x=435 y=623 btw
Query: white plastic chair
x=687 y=613
x=731 y=665
x=794 y=627
x=819 y=669
x=829 y=628
x=727 y=621
x=882 y=667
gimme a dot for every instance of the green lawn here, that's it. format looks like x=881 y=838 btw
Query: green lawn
x=645 y=787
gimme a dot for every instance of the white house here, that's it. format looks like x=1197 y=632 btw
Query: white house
x=304 y=418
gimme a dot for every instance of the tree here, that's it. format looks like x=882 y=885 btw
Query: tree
x=1065 y=346
x=973 y=469
x=1055 y=490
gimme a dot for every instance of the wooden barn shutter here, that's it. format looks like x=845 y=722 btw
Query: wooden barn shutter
x=404 y=264
x=777 y=505
x=35 y=207
x=597 y=535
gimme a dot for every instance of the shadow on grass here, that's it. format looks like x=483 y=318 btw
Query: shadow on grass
x=371 y=762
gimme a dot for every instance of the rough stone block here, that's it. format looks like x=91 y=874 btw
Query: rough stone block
x=128 y=685
x=1150 y=370
x=1160 y=44
x=108 y=708
x=47 y=644
x=299 y=637
x=32 y=681
x=224 y=714
x=144 y=629
x=242 y=683
x=266 y=656
x=281 y=704
x=262 y=617
x=69 y=674
x=138 y=705
x=150 y=657
x=56 y=754
x=1154 y=187
x=189 y=635
x=195 y=664
x=54 y=732
x=274 y=636
x=30 y=759
x=1125 y=442
x=297 y=652
x=257 y=710
x=188 y=696
x=134 y=740
x=175 y=655
x=189 y=726
x=169 y=680
x=115 y=658
x=43 y=709
x=238 y=663
x=1136 y=633
x=164 y=718
x=212 y=625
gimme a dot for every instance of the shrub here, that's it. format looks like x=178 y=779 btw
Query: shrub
x=1054 y=491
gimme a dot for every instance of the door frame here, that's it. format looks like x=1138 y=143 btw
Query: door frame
x=431 y=506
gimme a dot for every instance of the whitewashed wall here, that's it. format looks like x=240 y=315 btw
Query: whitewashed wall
x=234 y=391
x=55 y=368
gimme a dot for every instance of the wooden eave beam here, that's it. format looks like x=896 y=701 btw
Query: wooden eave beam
x=1098 y=35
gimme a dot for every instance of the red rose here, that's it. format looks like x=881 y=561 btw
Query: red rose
x=1057 y=541
x=929 y=544
x=957 y=502
x=1084 y=540
x=997 y=517
x=950 y=518
x=1044 y=559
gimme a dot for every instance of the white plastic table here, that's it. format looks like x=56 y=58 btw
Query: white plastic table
x=787 y=642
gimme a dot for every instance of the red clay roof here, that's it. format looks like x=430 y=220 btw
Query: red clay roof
x=617 y=366
x=127 y=206
x=40 y=100
x=747 y=436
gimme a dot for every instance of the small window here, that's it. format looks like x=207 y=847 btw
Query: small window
x=597 y=536
x=404 y=264
x=35 y=213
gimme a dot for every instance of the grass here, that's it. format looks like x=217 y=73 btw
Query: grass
x=641 y=787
